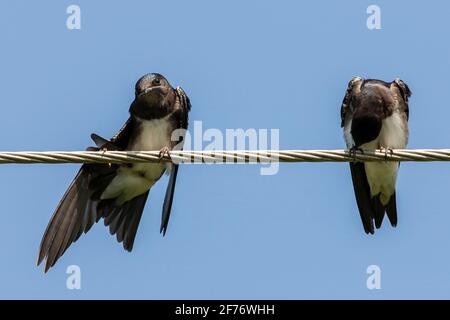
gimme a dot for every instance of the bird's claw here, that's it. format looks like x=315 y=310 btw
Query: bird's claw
x=386 y=151
x=103 y=150
x=164 y=153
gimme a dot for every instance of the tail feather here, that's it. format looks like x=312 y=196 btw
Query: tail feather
x=128 y=232
x=379 y=210
x=123 y=221
x=117 y=220
x=391 y=210
x=370 y=208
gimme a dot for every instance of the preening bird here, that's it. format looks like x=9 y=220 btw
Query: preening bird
x=375 y=115
x=118 y=193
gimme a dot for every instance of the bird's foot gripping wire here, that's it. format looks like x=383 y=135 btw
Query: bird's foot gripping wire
x=386 y=151
x=103 y=149
x=353 y=151
x=164 y=153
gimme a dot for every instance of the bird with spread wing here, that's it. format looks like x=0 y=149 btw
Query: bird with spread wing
x=118 y=193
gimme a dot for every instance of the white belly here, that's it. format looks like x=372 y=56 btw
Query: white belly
x=382 y=178
x=136 y=180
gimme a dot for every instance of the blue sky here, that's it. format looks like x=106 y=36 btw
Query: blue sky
x=253 y=64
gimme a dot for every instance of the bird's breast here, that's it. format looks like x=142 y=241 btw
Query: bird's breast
x=394 y=131
x=152 y=135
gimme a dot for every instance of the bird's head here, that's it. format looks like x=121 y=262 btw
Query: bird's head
x=154 y=97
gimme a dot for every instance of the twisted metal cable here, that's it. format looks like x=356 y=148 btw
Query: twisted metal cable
x=224 y=156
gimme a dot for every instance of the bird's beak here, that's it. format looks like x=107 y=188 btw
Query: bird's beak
x=151 y=96
x=151 y=91
x=148 y=90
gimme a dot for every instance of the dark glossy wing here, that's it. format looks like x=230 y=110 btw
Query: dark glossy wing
x=74 y=215
x=362 y=194
x=77 y=210
x=405 y=93
x=185 y=104
x=119 y=141
x=168 y=199
x=345 y=106
x=123 y=136
x=181 y=117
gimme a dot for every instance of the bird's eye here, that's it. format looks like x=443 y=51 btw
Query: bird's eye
x=157 y=82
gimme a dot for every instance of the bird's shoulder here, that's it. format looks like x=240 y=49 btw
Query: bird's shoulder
x=182 y=108
x=122 y=137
